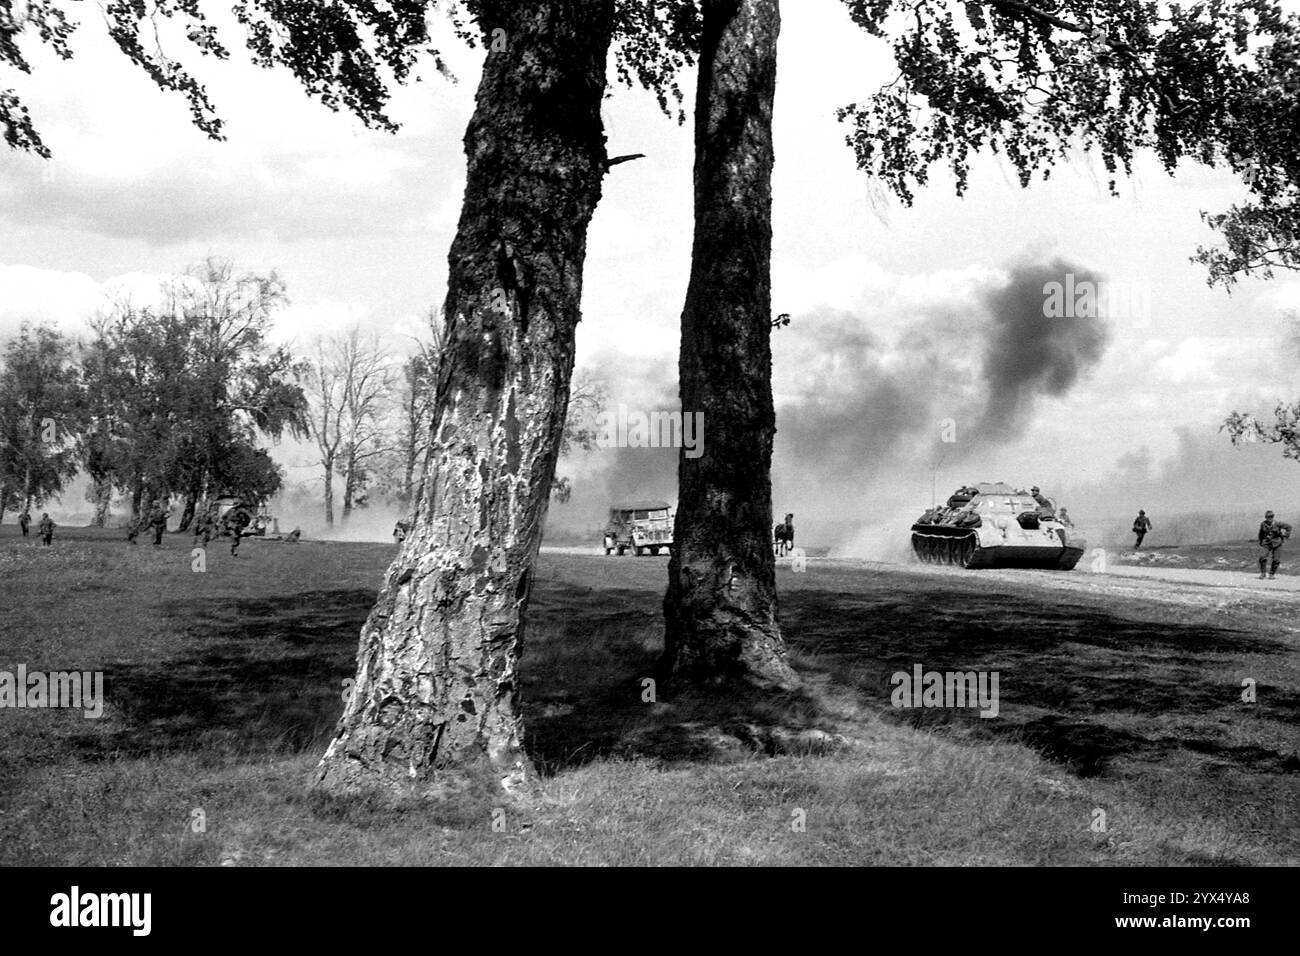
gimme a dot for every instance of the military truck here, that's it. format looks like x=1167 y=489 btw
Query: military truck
x=641 y=526
x=991 y=524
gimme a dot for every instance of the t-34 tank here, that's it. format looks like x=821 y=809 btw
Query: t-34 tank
x=992 y=525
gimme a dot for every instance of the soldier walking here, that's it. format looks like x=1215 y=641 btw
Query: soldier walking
x=1271 y=535
x=46 y=528
x=24 y=521
x=1141 y=525
x=158 y=521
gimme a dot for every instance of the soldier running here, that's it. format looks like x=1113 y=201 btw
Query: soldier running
x=1141 y=525
x=24 y=521
x=1271 y=535
x=204 y=527
x=239 y=520
x=46 y=528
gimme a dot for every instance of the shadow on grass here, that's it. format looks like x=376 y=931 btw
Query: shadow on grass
x=1068 y=672
x=265 y=677
x=589 y=691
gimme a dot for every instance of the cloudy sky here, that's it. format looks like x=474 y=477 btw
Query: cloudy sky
x=902 y=317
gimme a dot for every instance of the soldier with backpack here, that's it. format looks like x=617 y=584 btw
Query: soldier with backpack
x=46 y=528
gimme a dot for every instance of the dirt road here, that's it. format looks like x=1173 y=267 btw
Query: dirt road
x=1222 y=579
x=1216 y=592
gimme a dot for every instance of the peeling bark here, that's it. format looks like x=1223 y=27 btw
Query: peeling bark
x=437 y=693
x=720 y=609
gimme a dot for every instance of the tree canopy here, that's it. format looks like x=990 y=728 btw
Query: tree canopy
x=1213 y=81
x=178 y=397
x=40 y=407
x=348 y=54
x=1216 y=82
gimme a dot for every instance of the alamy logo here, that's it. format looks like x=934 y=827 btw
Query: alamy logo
x=69 y=689
x=102 y=909
x=1085 y=299
x=924 y=688
x=636 y=429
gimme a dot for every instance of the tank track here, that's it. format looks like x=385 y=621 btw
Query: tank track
x=960 y=547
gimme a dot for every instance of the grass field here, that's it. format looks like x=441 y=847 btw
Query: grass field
x=223 y=687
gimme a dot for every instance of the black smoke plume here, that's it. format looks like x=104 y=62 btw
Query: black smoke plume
x=1028 y=354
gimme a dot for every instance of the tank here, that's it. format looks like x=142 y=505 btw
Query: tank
x=992 y=525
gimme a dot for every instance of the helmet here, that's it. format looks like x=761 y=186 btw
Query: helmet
x=1268 y=514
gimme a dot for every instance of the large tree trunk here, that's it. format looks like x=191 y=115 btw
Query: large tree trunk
x=720 y=609
x=437 y=694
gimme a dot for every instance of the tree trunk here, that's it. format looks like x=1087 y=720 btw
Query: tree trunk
x=349 y=485
x=187 y=514
x=137 y=496
x=329 y=493
x=101 y=495
x=720 y=610
x=437 y=694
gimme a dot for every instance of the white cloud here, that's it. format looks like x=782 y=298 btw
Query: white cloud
x=66 y=299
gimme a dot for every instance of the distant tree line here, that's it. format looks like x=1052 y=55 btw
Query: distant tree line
x=161 y=402
x=177 y=402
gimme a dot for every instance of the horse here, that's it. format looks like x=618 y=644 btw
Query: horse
x=783 y=536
